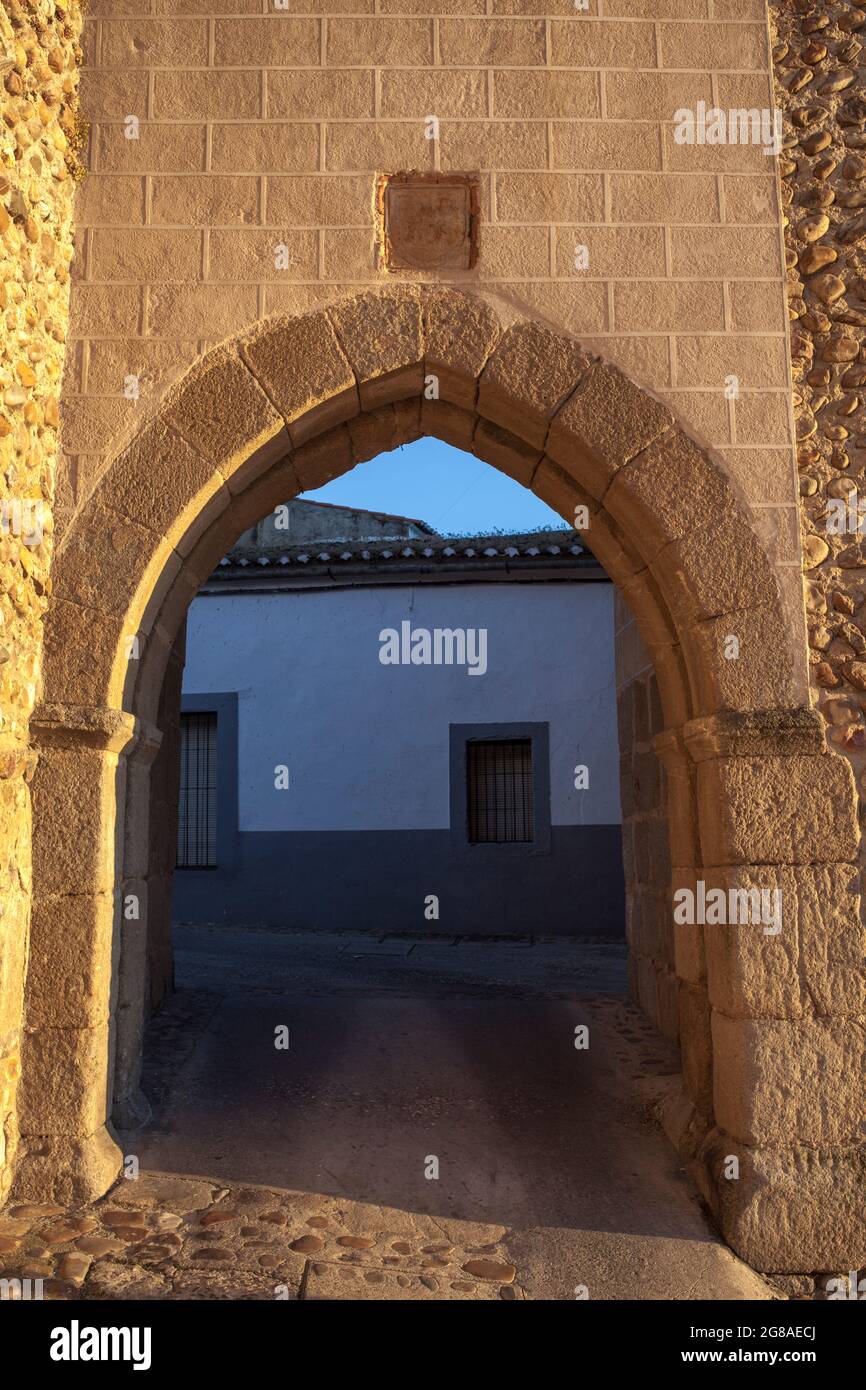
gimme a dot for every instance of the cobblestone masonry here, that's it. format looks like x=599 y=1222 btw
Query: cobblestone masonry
x=38 y=169
x=821 y=84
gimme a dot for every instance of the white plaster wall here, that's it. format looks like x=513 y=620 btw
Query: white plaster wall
x=367 y=745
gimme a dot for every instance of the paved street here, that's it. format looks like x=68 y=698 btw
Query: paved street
x=310 y=1171
x=403 y=1051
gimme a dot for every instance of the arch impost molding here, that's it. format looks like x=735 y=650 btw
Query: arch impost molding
x=88 y=726
x=780 y=733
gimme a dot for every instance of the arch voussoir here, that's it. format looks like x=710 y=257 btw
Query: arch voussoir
x=220 y=409
x=755 y=674
x=382 y=336
x=453 y=424
x=304 y=372
x=527 y=378
x=461 y=332
x=502 y=449
x=603 y=424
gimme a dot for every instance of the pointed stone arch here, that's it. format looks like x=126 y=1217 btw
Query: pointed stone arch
x=282 y=409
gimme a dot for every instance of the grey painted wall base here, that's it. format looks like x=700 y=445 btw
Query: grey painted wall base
x=378 y=880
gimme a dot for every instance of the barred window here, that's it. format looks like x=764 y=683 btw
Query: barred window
x=197 y=808
x=499 y=792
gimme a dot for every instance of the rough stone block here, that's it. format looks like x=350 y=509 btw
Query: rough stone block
x=492 y=42
x=721 y=567
x=381 y=334
x=324 y=458
x=783 y=1082
x=64 y=1169
x=815 y=962
x=696 y=1045
x=669 y=1004
x=264 y=148
x=221 y=410
x=777 y=810
x=65 y=1080
x=71 y=939
x=528 y=378
x=379 y=42
x=667 y=490
x=374 y=433
x=74 y=820
x=80 y=652
x=265 y=42
x=460 y=333
x=689 y=952
x=158 y=477
x=303 y=370
x=791 y=1208
x=506 y=452
x=450 y=423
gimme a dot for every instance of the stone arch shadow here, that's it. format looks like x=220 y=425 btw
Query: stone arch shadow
x=755 y=797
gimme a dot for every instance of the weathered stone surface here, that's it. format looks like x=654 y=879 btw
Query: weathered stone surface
x=757 y=674
x=777 y=811
x=450 y=423
x=778 y=1081
x=381 y=335
x=80 y=652
x=460 y=332
x=73 y=840
x=506 y=452
x=381 y=430
x=528 y=378
x=720 y=567
x=603 y=424
x=64 y=1082
x=108 y=560
x=815 y=962
x=791 y=1206
x=221 y=410
x=158 y=477
x=71 y=937
x=323 y=458
x=302 y=368
x=669 y=489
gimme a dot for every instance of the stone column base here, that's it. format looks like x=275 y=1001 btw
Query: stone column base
x=789 y=1211
x=53 y=1168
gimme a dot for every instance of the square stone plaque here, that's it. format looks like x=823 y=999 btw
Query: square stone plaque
x=427 y=221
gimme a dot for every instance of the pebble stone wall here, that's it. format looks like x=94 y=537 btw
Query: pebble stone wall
x=39 y=168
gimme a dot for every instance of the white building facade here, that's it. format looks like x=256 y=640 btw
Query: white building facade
x=402 y=733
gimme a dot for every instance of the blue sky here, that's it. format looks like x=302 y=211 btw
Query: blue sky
x=454 y=492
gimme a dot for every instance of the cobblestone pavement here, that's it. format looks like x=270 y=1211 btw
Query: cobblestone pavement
x=301 y=1174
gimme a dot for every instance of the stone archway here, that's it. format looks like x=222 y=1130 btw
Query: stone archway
x=755 y=797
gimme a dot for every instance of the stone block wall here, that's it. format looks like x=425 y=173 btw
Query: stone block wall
x=258 y=127
x=39 y=56
x=646 y=852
